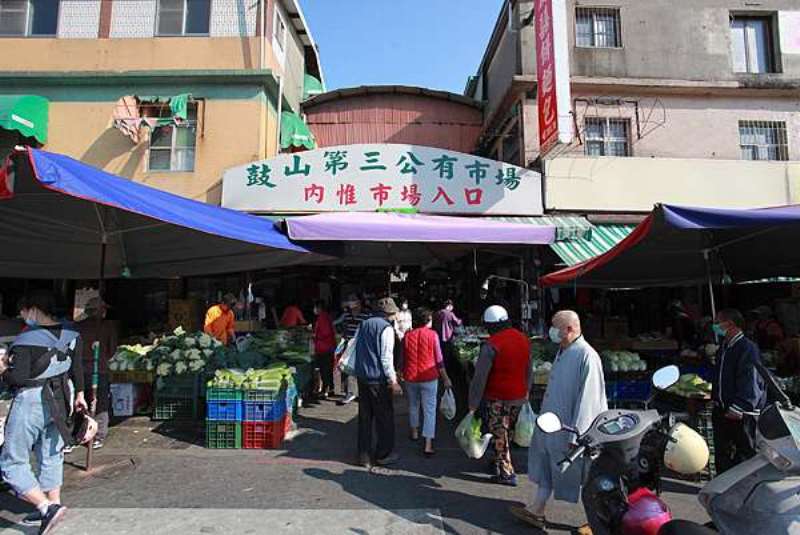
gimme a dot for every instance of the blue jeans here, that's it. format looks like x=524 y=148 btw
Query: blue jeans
x=423 y=394
x=30 y=428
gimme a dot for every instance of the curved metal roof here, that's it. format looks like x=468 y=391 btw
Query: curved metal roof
x=390 y=89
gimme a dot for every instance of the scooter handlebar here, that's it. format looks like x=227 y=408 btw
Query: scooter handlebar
x=573 y=456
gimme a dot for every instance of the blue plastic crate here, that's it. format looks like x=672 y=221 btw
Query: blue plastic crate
x=265 y=411
x=225 y=411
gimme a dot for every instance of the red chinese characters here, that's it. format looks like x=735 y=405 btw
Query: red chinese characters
x=411 y=195
x=346 y=194
x=316 y=193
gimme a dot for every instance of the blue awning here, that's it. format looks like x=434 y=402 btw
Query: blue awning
x=62 y=210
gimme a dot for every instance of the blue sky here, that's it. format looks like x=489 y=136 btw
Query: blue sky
x=429 y=43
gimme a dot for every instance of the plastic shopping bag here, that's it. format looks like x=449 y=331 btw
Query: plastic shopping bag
x=447 y=405
x=526 y=423
x=347 y=361
x=468 y=434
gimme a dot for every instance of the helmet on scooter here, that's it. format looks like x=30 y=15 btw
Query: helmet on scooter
x=686 y=451
x=646 y=513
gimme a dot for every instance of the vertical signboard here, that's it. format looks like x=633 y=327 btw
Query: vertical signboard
x=552 y=74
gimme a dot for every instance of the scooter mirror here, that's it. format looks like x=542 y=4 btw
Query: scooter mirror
x=666 y=377
x=549 y=422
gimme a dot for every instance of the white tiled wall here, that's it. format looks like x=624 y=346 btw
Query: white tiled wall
x=133 y=18
x=79 y=19
x=234 y=18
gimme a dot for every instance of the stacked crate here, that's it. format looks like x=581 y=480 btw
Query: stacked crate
x=268 y=415
x=224 y=414
x=176 y=397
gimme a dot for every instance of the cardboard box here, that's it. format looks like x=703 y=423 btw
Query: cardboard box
x=123 y=399
x=248 y=326
x=186 y=313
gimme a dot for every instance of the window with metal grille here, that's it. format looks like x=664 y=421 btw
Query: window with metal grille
x=172 y=146
x=598 y=27
x=183 y=17
x=763 y=140
x=607 y=137
x=28 y=17
x=751 y=44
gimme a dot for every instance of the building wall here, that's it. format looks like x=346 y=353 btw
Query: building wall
x=395 y=118
x=637 y=184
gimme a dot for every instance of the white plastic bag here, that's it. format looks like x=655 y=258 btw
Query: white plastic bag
x=468 y=434
x=526 y=423
x=347 y=361
x=447 y=406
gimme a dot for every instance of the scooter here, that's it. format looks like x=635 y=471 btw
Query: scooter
x=761 y=495
x=626 y=450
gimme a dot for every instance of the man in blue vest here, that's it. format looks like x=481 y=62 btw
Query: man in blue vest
x=377 y=382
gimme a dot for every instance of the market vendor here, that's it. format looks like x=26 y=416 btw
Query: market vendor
x=46 y=377
x=502 y=384
x=737 y=390
x=220 y=320
x=292 y=317
x=96 y=328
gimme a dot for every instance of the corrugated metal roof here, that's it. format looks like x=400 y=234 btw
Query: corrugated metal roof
x=391 y=89
x=603 y=238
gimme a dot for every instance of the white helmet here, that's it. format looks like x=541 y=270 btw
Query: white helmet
x=495 y=314
x=686 y=451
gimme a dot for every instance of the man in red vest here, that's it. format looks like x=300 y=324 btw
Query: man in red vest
x=502 y=382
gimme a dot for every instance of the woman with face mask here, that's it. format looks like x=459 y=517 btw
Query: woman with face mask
x=403 y=320
x=46 y=378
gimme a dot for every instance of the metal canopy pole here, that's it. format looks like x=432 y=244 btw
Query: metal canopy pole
x=710 y=283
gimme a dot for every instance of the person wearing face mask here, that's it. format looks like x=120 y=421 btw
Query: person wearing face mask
x=576 y=393
x=501 y=385
x=46 y=378
x=737 y=390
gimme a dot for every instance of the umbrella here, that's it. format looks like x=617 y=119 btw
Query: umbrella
x=677 y=246
x=66 y=219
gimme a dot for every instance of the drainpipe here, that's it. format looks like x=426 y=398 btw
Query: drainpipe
x=262 y=50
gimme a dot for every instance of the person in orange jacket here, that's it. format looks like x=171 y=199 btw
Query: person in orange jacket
x=220 y=320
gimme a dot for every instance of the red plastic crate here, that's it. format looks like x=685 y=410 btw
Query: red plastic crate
x=265 y=435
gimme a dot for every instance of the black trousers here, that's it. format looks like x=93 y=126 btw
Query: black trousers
x=375 y=412
x=734 y=440
x=325 y=365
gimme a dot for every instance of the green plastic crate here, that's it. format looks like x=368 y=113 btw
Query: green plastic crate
x=224 y=394
x=175 y=408
x=223 y=435
x=179 y=386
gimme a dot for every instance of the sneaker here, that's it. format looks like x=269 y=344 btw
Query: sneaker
x=346 y=401
x=51 y=519
x=389 y=460
x=524 y=515
x=33 y=519
x=97 y=444
x=68 y=449
x=509 y=481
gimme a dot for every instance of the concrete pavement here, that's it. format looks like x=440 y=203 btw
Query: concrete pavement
x=157 y=479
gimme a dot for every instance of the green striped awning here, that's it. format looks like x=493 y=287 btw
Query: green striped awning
x=567 y=227
x=603 y=238
x=295 y=132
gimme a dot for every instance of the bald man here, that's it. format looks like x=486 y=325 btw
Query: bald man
x=576 y=392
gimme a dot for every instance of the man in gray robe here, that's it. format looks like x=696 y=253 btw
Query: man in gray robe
x=576 y=392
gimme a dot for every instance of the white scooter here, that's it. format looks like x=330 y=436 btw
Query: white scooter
x=761 y=495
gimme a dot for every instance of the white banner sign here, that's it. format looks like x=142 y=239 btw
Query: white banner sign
x=374 y=177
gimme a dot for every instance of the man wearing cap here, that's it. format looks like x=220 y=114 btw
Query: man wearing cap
x=220 y=321
x=502 y=382
x=377 y=381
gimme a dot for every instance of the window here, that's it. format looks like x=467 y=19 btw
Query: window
x=751 y=45
x=183 y=17
x=279 y=35
x=28 y=17
x=763 y=140
x=172 y=146
x=598 y=27
x=607 y=137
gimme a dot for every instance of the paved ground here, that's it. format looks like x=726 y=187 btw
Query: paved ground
x=153 y=479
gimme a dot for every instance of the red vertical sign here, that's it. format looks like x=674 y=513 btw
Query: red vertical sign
x=546 y=76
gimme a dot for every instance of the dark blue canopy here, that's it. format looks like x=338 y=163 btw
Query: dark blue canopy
x=62 y=210
x=677 y=245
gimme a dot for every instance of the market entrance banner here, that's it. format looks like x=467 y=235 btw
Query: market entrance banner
x=370 y=177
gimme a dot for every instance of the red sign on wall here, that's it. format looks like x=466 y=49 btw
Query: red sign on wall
x=546 y=76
